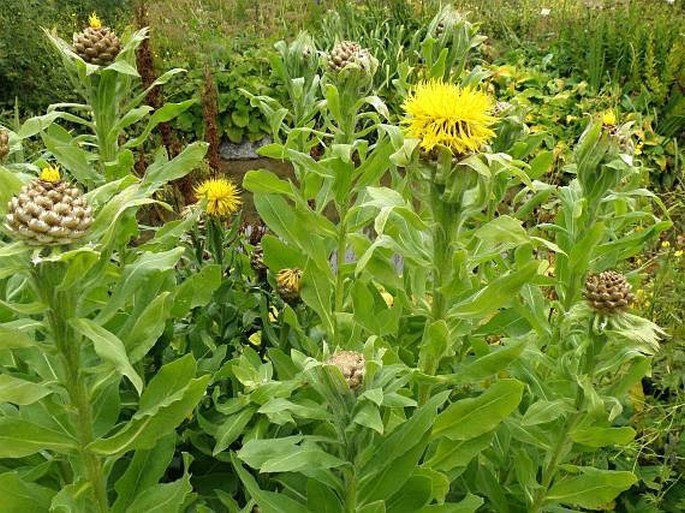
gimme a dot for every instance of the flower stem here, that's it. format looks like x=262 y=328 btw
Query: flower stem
x=564 y=443
x=61 y=308
x=340 y=276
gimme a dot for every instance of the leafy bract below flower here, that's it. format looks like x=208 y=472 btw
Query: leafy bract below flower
x=439 y=113
x=223 y=197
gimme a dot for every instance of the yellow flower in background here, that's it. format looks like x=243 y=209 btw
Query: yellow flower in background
x=449 y=115
x=608 y=117
x=50 y=174
x=223 y=197
x=94 y=21
x=665 y=244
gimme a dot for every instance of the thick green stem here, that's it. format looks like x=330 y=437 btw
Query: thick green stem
x=340 y=275
x=445 y=220
x=564 y=442
x=61 y=308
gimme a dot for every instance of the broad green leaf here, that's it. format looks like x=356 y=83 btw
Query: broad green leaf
x=413 y=496
x=369 y=416
x=603 y=436
x=19 y=391
x=110 y=348
x=496 y=294
x=196 y=290
x=134 y=277
x=256 y=452
x=540 y=164
x=308 y=456
x=19 y=496
x=469 y=505
x=434 y=346
x=321 y=498
x=316 y=292
x=72 y=498
x=373 y=507
x=503 y=231
x=491 y=363
x=543 y=411
x=20 y=437
x=163 y=498
x=450 y=454
x=165 y=113
x=469 y=418
x=10 y=184
x=592 y=489
x=162 y=171
x=147 y=328
x=168 y=399
x=269 y=502
x=145 y=469
x=266 y=182
x=231 y=429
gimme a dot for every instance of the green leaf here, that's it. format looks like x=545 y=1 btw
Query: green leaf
x=167 y=400
x=592 y=489
x=543 y=411
x=470 y=418
x=162 y=171
x=196 y=290
x=269 y=502
x=491 y=363
x=450 y=454
x=603 y=436
x=540 y=164
x=503 y=231
x=19 y=391
x=110 y=348
x=166 y=113
x=231 y=429
x=316 y=292
x=469 y=505
x=19 y=496
x=308 y=456
x=163 y=498
x=147 y=328
x=10 y=184
x=413 y=496
x=146 y=468
x=265 y=182
x=369 y=416
x=20 y=437
x=72 y=498
x=256 y=452
x=496 y=294
x=321 y=498
x=434 y=346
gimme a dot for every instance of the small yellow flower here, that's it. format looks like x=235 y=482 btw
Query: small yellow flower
x=288 y=281
x=608 y=117
x=439 y=113
x=94 y=21
x=223 y=197
x=50 y=174
x=256 y=338
x=665 y=244
x=679 y=253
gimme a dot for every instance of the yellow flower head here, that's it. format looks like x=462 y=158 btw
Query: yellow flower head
x=289 y=279
x=223 y=197
x=446 y=114
x=94 y=21
x=608 y=117
x=50 y=174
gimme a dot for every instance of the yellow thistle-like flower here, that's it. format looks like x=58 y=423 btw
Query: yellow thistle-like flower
x=446 y=114
x=94 y=21
x=288 y=281
x=223 y=197
x=608 y=117
x=50 y=174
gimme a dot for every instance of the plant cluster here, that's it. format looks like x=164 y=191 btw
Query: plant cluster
x=426 y=318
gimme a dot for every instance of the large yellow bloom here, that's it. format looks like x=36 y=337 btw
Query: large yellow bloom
x=223 y=197
x=446 y=114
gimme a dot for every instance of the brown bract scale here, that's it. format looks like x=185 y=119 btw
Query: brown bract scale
x=4 y=144
x=352 y=365
x=97 y=46
x=48 y=213
x=343 y=54
x=608 y=292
